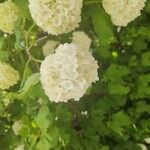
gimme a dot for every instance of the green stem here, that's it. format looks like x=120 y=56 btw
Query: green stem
x=27 y=34
x=30 y=47
x=36 y=60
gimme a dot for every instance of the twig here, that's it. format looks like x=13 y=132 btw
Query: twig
x=28 y=32
x=32 y=45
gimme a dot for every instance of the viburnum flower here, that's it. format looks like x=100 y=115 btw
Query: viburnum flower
x=147 y=140
x=123 y=11
x=56 y=16
x=8 y=76
x=16 y=127
x=68 y=73
x=49 y=47
x=80 y=38
x=142 y=146
x=20 y=147
x=9 y=14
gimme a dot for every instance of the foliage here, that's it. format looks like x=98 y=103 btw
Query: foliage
x=114 y=113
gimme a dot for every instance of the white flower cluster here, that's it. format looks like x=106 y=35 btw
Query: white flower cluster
x=68 y=73
x=49 y=47
x=81 y=39
x=9 y=14
x=123 y=11
x=142 y=146
x=56 y=16
x=20 y=147
x=147 y=140
x=8 y=76
x=16 y=127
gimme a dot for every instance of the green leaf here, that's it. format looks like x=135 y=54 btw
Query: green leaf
x=146 y=59
x=119 y=121
x=108 y=103
x=115 y=72
x=24 y=9
x=2 y=109
x=105 y=148
x=44 y=118
x=2 y=39
x=143 y=85
x=4 y=55
x=116 y=84
x=147 y=6
x=31 y=81
x=43 y=144
x=117 y=88
x=141 y=107
x=19 y=36
x=102 y=25
x=139 y=45
x=103 y=28
x=133 y=61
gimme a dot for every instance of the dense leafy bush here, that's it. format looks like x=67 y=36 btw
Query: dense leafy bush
x=112 y=115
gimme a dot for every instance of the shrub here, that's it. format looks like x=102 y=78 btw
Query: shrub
x=113 y=114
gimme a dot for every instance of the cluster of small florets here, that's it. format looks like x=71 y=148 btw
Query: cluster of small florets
x=68 y=73
x=20 y=147
x=56 y=16
x=123 y=11
x=8 y=76
x=80 y=38
x=16 y=127
x=8 y=16
x=49 y=47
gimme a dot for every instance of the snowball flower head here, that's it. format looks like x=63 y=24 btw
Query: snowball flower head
x=147 y=140
x=123 y=11
x=56 y=16
x=20 y=147
x=68 y=73
x=49 y=47
x=80 y=38
x=142 y=146
x=9 y=14
x=8 y=76
x=16 y=127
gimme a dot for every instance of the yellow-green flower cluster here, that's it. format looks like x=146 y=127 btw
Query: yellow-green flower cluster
x=8 y=76
x=8 y=16
x=123 y=11
x=56 y=16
